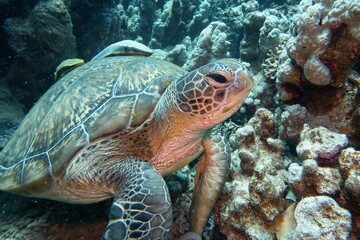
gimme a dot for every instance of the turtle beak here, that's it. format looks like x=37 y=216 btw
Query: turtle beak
x=243 y=79
x=239 y=90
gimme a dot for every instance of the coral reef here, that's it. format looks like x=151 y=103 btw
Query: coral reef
x=320 y=144
x=265 y=180
x=317 y=217
x=324 y=45
x=314 y=69
x=337 y=111
x=294 y=143
x=255 y=195
x=249 y=48
x=349 y=162
x=293 y=118
x=44 y=37
x=327 y=169
x=104 y=28
x=211 y=44
x=169 y=27
x=264 y=31
x=40 y=40
x=319 y=149
x=321 y=218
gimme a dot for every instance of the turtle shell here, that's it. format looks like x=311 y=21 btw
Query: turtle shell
x=102 y=97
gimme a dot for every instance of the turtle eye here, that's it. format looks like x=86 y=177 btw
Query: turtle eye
x=219 y=79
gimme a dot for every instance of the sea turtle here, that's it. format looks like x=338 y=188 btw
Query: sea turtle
x=113 y=127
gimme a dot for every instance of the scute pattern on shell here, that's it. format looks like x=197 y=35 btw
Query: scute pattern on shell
x=100 y=98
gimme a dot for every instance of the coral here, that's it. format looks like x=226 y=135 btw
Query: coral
x=249 y=48
x=211 y=44
x=316 y=72
x=264 y=35
x=38 y=40
x=349 y=162
x=264 y=123
x=177 y=55
x=169 y=27
x=261 y=96
x=274 y=31
x=230 y=12
x=293 y=118
x=267 y=194
x=336 y=110
x=327 y=169
x=323 y=29
x=321 y=145
x=319 y=149
x=200 y=18
x=324 y=46
x=107 y=25
x=321 y=218
x=255 y=196
x=44 y=38
x=318 y=217
x=310 y=179
x=292 y=121
x=271 y=63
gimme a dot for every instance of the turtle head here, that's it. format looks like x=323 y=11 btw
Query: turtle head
x=214 y=92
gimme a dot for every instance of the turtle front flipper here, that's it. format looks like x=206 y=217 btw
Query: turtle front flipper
x=210 y=178
x=142 y=206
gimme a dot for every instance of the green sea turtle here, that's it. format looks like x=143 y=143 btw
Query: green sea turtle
x=113 y=127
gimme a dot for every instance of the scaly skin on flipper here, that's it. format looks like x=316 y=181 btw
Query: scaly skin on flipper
x=142 y=205
x=210 y=177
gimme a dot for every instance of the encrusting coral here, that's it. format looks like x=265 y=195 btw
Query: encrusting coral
x=324 y=45
x=269 y=191
x=321 y=218
x=212 y=44
x=349 y=162
x=314 y=67
x=255 y=196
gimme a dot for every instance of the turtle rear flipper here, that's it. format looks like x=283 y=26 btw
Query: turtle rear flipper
x=142 y=206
